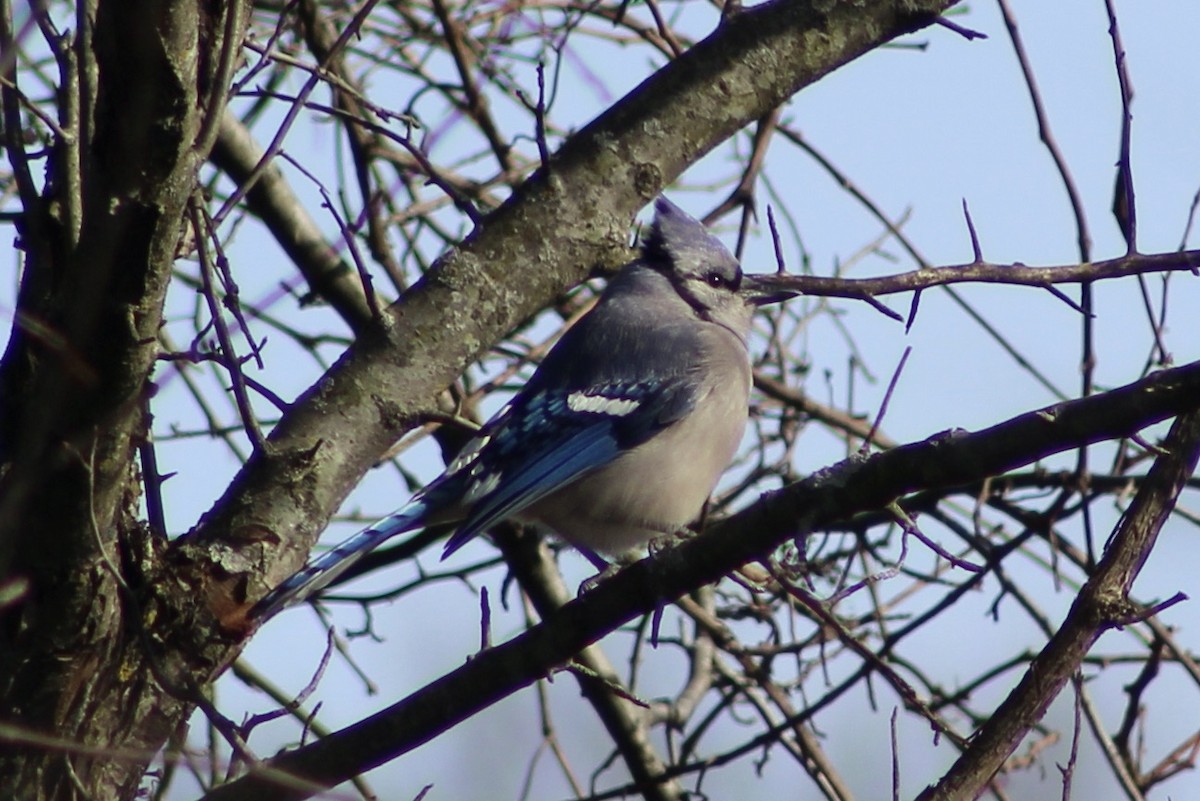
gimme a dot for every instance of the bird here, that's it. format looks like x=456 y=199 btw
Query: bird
x=621 y=433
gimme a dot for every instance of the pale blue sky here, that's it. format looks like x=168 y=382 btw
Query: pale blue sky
x=920 y=131
x=917 y=130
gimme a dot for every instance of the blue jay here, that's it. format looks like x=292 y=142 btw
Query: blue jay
x=622 y=432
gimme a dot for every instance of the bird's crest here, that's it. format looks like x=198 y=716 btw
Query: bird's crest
x=679 y=241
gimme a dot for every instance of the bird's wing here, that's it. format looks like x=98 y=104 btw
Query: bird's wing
x=549 y=440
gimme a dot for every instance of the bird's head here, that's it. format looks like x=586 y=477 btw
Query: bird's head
x=703 y=271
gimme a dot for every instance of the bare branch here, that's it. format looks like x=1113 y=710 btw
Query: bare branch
x=835 y=494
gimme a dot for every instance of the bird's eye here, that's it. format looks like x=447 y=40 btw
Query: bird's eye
x=715 y=280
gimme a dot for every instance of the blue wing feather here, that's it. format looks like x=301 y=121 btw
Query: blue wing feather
x=588 y=449
x=543 y=446
x=534 y=447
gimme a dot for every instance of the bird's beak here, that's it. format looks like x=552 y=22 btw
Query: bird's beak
x=767 y=288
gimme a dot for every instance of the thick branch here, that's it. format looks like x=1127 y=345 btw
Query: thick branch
x=152 y=78
x=853 y=487
x=1102 y=604
x=627 y=725
x=559 y=225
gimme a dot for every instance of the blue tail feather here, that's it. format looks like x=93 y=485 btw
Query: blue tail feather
x=322 y=571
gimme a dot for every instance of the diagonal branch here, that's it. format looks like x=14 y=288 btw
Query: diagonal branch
x=1103 y=603
x=855 y=486
x=562 y=222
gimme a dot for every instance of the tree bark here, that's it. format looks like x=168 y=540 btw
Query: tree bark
x=118 y=633
x=143 y=85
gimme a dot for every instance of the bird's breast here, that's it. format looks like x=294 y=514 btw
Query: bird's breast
x=662 y=484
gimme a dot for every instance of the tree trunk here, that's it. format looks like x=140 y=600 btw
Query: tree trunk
x=142 y=89
x=114 y=638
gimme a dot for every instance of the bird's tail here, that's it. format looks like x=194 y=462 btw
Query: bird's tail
x=323 y=570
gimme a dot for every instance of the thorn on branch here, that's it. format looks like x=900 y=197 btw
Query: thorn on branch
x=780 y=266
x=887 y=398
x=975 y=249
x=580 y=669
x=1142 y=615
x=912 y=311
x=1124 y=207
x=1065 y=298
x=485 y=620
x=967 y=33
x=879 y=306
